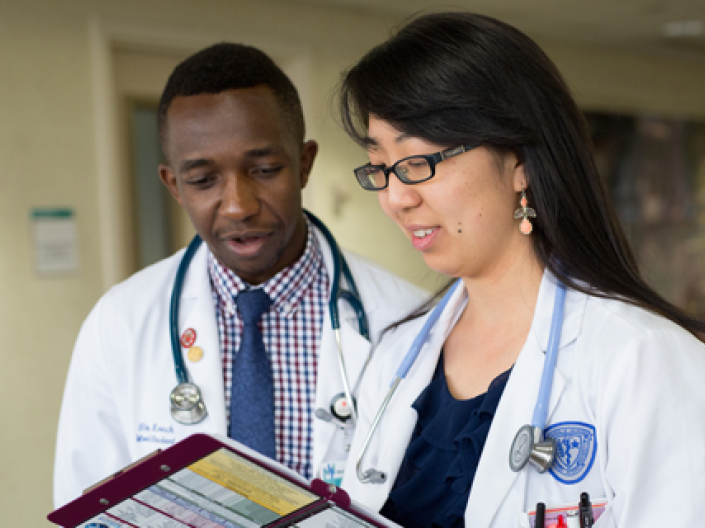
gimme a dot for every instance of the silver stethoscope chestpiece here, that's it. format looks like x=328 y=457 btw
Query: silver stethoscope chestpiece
x=187 y=405
x=530 y=446
x=521 y=448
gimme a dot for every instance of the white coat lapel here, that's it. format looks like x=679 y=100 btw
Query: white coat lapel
x=197 y=311
x=494 y=478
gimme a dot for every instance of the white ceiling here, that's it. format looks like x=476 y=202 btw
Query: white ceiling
x=631 y=24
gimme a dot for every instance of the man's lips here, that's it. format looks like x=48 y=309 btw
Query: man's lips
x=246 y=244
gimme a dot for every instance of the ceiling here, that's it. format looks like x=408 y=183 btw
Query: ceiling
x=660 y=26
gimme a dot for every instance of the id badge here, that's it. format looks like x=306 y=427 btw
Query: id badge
x=332 y=472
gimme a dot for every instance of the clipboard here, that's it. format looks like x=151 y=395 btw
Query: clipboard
x=209 y=481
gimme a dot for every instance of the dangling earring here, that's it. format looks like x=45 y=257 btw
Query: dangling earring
x=524 y=213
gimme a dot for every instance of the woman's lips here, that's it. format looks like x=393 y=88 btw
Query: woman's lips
x=423 y=237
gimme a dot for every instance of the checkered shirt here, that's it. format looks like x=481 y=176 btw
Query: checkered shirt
x=291 y=331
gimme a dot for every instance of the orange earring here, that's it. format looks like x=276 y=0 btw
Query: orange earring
x=524 y=213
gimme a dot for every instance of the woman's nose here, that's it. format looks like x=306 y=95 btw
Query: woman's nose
x=400 y=196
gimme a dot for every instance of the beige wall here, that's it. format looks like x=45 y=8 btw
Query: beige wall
x=61 y=85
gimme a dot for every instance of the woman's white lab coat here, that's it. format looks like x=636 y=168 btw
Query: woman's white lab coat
x=116 y=402
x=634 y=376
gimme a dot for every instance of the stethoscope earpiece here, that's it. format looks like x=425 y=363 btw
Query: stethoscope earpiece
x=374 y=477
x=324 y=415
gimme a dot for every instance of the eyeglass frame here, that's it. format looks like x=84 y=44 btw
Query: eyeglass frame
x=431 y=159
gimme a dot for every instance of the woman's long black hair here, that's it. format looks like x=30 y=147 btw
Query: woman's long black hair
x=457 y=78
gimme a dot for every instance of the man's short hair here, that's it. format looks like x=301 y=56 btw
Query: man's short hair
x=228 y=66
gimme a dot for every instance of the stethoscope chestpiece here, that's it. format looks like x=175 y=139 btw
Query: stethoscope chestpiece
x=187 y=405
x=530 y=446
x=340 y=408
x=339 y=413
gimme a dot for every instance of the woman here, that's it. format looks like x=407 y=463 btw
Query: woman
x=497 y=186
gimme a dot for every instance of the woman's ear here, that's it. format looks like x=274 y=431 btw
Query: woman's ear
x=519 y=179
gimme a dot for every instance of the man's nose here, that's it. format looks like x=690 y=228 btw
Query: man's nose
x=239 y=200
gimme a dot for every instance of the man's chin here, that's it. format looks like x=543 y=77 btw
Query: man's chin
x=254 y=270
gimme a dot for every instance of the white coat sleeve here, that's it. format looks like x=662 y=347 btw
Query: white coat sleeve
x=652 y=410
x=90 y=442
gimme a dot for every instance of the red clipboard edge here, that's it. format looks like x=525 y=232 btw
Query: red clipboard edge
x=143 y=474
x=134 y=479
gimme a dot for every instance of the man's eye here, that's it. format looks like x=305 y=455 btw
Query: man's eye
x=201 y=180
x=267 y=170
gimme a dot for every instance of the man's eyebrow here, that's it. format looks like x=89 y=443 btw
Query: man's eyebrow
x=269 y=150
x=197 y=163
x=194 y=164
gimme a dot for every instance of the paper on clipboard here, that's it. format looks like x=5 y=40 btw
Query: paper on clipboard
x=230 y=486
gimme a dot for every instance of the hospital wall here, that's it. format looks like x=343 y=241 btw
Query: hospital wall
x=62 y=144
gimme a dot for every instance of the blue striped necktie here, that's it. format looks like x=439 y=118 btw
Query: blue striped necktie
x=252 y=391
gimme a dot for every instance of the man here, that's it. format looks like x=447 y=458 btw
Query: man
x=232 y=131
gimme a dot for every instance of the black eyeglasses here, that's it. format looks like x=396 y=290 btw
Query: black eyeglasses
x=411 y=170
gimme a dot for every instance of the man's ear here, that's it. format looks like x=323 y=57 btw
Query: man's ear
x=169 y=180
x=308 y=156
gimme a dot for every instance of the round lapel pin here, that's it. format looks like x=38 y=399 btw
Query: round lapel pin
x=188 y=338
x=195 y=354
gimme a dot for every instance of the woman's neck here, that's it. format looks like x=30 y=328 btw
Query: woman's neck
x=493 y=328
x=507 y=294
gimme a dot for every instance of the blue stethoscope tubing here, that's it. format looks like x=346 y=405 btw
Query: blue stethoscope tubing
x=549 y=366
x=340 y=270
x=179 y=366
x=375 y=476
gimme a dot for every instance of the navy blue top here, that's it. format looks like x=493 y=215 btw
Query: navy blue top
x=439 y=466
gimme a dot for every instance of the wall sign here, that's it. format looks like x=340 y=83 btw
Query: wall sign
x=55 y=241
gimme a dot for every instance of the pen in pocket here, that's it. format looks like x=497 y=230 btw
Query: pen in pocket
x=585 y=510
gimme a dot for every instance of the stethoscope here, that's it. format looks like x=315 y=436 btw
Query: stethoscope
x=529 y=444
x=187 y=406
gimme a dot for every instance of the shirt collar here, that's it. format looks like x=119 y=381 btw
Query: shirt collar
x=286 y=288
